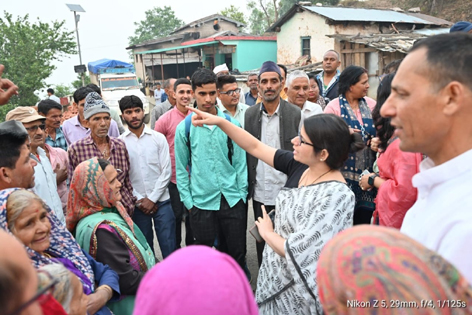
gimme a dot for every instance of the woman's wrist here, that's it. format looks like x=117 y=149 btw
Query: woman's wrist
x=107 y=291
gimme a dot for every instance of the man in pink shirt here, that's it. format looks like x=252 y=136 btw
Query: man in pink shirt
x=167 y=124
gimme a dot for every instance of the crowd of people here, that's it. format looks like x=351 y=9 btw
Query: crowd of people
x=81 y=201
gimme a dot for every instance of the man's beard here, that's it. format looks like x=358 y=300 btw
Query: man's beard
x=131 y=126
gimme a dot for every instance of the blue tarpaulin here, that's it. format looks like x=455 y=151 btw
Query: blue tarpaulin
x=104 y=65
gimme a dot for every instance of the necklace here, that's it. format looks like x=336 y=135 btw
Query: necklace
x=104 y=152
x=304 y=175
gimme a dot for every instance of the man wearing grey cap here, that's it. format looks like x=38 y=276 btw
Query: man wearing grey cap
x=99 y=144
x=45 y=184
x=275 y=122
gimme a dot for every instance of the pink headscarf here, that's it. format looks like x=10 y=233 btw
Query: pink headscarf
x=195 y=280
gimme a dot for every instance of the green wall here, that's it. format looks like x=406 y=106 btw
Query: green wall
x=251 y=54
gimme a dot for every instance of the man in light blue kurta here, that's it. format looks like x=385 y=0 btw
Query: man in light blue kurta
x=216 y=191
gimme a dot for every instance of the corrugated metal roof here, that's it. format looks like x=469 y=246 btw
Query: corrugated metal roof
x=366 y=15
x=432 y=31
x=155 y=51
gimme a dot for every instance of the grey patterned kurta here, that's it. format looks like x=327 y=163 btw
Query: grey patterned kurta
x=307 y=218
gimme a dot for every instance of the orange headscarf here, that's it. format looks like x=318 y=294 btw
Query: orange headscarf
x=89 y=193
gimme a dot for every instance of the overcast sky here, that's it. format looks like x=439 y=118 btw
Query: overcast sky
x=106 y=25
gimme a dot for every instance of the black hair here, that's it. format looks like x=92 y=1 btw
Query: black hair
x=50 y=91
x=46 y=105
x=449 y=58
x=251 y=75
x=311 y=76
x=331 y=132
x=225 y=79
x=392 y=66
x=11 y=143
x=283 y=68
x=95 y=88
x=130 y=101
x=103 y=164
x=201 y=77
x=81 y=93
x=349 y=77
x=382 y=125
x=181 y=81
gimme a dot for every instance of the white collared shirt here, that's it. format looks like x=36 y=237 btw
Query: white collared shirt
x=150 y=166
x=309 y=109
x=240 y=111
x=45 y=185
x=269 y=181
x=441 y=218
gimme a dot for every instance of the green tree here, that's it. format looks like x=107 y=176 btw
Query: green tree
x=61 y=90
x=78 y=83
x=263 y=14
x=159 y=22
x=234 y=13
x=28 y=51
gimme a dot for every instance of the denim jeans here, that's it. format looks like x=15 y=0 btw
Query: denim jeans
x=164 y=225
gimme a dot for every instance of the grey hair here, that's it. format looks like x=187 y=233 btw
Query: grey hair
x=63 y=291
x=332 y=50
x=295 y=75
x=166 y=83
x=17 y=202
x=251 y=74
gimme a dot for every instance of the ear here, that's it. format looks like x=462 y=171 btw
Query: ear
x=5 y=175
x=455 y=96
x=86 y=123
x=41 y=114
x=218 y=93
x=285 y=90
x=324 y=154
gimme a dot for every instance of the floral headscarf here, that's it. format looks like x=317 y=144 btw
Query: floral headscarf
x=62 y=243
x=381 y=265
x=89 y=193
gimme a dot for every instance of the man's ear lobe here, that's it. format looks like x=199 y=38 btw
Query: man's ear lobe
x=5 y=175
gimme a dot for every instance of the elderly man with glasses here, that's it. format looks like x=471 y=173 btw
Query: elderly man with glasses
x=45 y=184
x=228 y=98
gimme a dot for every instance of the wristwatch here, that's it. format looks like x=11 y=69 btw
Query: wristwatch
x=371 y=179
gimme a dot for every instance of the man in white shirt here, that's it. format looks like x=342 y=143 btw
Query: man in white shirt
x=158 y=93
x=150 y=172
x=52 y=96
x=431 y=109
x=297 y=87
x=228 y=98
x=45 y=185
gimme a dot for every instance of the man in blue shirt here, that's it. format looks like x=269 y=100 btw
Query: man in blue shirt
x=215 y=192
x=53 y=113
x=251 y=96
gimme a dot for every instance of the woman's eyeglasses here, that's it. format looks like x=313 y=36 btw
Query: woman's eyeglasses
x=40 y=296
x=300 y=138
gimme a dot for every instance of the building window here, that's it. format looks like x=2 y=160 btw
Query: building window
x=306 y=46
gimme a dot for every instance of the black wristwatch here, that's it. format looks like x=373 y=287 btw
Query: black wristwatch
x=371 y=179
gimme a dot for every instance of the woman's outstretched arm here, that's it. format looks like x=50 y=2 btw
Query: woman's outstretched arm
x=242 y=138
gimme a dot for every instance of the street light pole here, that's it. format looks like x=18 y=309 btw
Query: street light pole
x=77 y=8
x=76 y=19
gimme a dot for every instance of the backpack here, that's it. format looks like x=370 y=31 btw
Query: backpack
x=188 y=123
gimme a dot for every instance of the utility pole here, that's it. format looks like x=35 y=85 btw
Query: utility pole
x=77 y=8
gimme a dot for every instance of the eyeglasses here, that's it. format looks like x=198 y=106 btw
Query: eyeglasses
x=35 y=128
x=300 y=138
x=44 y=292
x=231 y=92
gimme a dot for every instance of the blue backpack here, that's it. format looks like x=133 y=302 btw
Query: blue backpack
x=188 y=123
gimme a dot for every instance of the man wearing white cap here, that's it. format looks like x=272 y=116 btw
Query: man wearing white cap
x=45 y=185
x=224 y=70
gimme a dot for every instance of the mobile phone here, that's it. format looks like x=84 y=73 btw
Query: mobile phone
x=255 y=231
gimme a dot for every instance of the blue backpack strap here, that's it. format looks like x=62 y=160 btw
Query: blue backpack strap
x=188 y=124
x=229 y=143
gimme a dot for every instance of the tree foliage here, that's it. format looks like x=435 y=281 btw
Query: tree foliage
x=265 y=12
x=159 y=22
x=234 y=13
x=61 y=90
x=78 y=83
x=28 y=51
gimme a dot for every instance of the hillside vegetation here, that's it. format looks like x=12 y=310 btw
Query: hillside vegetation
x=451 y=10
